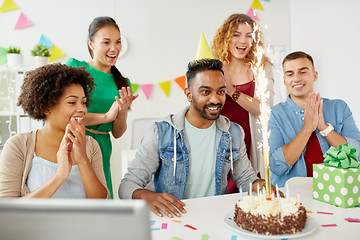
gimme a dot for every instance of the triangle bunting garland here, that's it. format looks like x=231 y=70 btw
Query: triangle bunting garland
x=56 y=53
x=147 y=88
x=134 y=87
x=165 y=86
x=181 y=81
x=23 y=22
x=44 y=41
x=251 y=13
x=203 y=50
x=8 y=5
x=257 y=5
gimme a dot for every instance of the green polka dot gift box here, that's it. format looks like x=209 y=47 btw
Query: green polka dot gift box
x=337 y=180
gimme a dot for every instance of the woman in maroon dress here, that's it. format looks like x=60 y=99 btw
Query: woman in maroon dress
x=234 y=45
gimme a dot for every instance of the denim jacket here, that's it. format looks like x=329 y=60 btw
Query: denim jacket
x=285 y=122
x=156 y=157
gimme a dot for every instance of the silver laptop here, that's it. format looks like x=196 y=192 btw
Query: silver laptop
x=63 y=219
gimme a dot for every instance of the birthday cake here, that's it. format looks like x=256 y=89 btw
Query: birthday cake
x=258 y=215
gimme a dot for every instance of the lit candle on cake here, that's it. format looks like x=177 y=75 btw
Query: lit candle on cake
x=287 y=190
x=261 y=83
x=278 y=197
x=263 y=193
x=240 y=190
x=252 y=203
x=252 y=198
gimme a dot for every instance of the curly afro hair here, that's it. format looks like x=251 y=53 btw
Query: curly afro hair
x=43 y=87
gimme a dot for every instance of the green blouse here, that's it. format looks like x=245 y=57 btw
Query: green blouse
x=102 y=99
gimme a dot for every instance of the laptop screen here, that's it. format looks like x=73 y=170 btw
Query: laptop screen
x=74 y=219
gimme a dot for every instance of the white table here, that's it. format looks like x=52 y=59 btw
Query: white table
x=207 y=214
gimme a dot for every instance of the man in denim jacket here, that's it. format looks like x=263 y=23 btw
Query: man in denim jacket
x=306 y=121
x=202 y=139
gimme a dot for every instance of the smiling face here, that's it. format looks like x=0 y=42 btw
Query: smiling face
x=106 y=46
x=241 y=41
x=206 y=95
x=299 y=77
x=71 y=104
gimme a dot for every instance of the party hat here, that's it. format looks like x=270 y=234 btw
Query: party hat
x=203 y=50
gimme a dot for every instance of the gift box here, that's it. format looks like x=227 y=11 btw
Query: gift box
x=337 y=180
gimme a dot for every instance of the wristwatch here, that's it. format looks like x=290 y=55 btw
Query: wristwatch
x=327 y=130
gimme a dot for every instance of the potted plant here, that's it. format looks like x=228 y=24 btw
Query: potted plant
x=14 y=57
x=41 y=55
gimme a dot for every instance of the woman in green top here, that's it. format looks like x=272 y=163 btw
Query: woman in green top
x=112 y=96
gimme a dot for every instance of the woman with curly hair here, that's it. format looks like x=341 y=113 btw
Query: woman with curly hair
x=58 y=160
x=234 y=45
x=106 y=113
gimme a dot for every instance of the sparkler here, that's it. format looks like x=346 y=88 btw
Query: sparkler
x=261 y=85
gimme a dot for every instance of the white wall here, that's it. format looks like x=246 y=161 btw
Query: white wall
x=329 y=31
x=162 y=37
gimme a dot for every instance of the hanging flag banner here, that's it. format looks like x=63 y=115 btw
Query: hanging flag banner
x=44 y=41
x=134 y=87
x=251 y=13
x=165 y=86
x=23 y=22
x=147 y=89
x=8 y=5
x=181 y=81
x=56 y=53
x=257 y=5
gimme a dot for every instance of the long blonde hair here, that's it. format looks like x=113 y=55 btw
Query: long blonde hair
x=220 y=44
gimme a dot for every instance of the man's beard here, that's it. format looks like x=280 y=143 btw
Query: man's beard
x=202 y=112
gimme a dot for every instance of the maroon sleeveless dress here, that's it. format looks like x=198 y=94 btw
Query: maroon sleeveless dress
x=239 y=115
